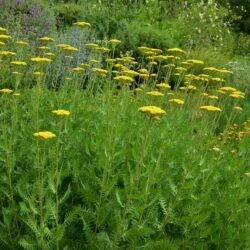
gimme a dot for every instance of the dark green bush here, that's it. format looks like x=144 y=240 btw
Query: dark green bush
x=67 y=14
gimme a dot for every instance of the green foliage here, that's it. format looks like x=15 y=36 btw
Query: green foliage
x=28 y=19
x=67 y=14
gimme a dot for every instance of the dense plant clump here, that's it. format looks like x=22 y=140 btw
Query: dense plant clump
x=120 y=135
x=28 y=19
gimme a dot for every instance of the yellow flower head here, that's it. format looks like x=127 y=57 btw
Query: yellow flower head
x=155 y=93
x=82 y=24
x=163 y=85
x=2 y=43
x=238 y=108
x=215 y=97
x=5 y=37
x=46 y=39
x=63 y=45
x=195 y=62
x=176 y=101
x=44 y=135
x=78 y=69
x=38 y=73
x=17 y=73
x=70 y=49
x=127 y=80
x=44 y=48
x=7 y=53
x=3 y=30
x=61 y=112
x=210 y=108
x=115 y=42
x=18 y=63
x=176 y=50
x=152 y=110
x=130 y=72
x=6 y=91
x=237 y=95
x=41 y=60
x=91 y=45
x=21 y=43
x=49 y=54
x=228 y=89
x=103 y=49
x=100 y=71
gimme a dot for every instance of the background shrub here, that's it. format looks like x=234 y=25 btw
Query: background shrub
x=27 y=18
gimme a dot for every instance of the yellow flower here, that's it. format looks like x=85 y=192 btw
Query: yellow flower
x=213 y=97
x=180 y=69
x=237 y=95
x=6 y=91
x=103 y=49
x=124 y=79
x=93 y=61
x=217 y=79
x=228 y=89
x=70 y=49
x=44 y=48
x=46 y=39
x=152 y=110
x=155 y=93
x=211 y=69
x=78 y=69
x=22 y=43
x=191 y=87
x=61 y=112
x=7 y=53
x=163 y=85
x=204 y=94
x=176 y=101
x=2 y=44
x=169 y=66
x=225 y=71
x=159 y=58
x=130 y=72
x=44 y=135
x=38 y=73
x=17 y=73
x=176 y=50
x=143 y=71
x=63 y=45
x=110 y=60
x=40 y=60
x=82 y=24
x=91 y=45
x=144 y=75
x=100 y=71
x=5 y=37
x=49 y=54
x=115 y=42
x=238 y=108
x=138 y=90
x=18 y=63
x=3 y=29
x=195 y=62
x=210 y=108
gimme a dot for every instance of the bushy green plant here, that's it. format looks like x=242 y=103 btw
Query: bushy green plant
x=67 y=14
x=28 y=19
